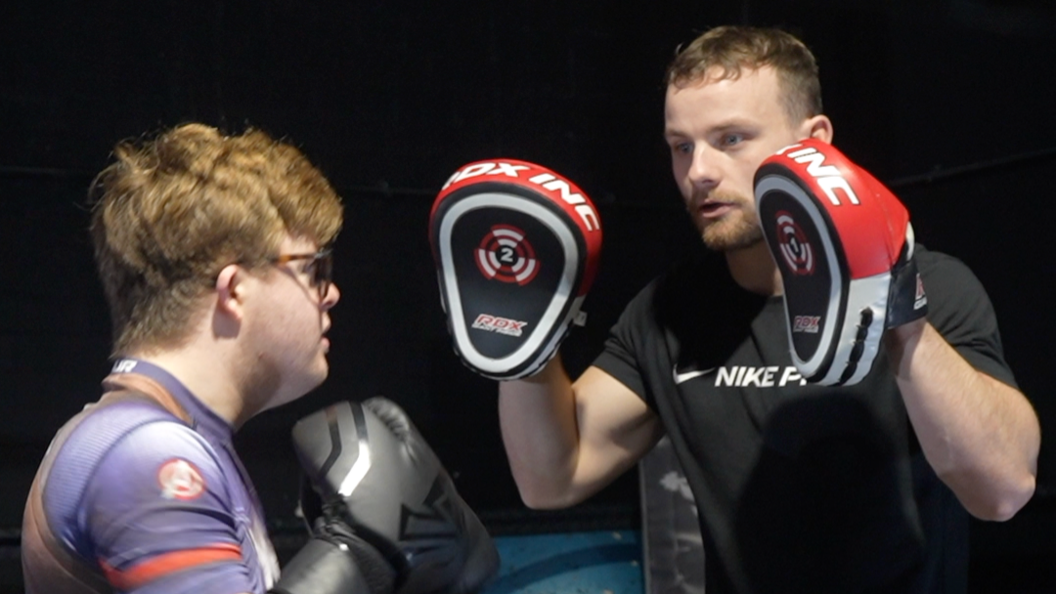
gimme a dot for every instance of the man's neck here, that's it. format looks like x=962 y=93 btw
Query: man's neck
x=207 y=376
x=754 y=270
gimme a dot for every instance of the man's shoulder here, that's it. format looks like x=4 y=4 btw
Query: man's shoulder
x=163 y=459
x=103 y=424
x=114 y=444
x=947 y=278
x=936 y=263
x=118 y=435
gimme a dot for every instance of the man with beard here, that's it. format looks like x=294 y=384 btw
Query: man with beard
x=800 y=487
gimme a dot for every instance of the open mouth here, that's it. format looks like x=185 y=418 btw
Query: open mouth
x=711 y=210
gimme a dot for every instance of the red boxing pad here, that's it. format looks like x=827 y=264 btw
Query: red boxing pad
x=516 y=248
x=844 y=246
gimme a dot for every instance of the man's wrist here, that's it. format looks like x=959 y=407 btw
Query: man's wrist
x=908 y=332
x=546 y=373
x=902 y=339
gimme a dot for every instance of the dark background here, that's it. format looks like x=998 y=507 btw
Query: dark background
x=950 y=102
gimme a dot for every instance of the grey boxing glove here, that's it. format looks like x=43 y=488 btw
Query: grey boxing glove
x=335 y=561
x=369 y=469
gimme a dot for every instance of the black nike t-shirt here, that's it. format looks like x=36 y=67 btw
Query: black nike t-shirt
x=800 y=487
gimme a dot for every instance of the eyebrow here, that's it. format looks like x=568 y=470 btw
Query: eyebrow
x=735 y=124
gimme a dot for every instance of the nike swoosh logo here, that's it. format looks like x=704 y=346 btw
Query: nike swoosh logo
x=688 y=375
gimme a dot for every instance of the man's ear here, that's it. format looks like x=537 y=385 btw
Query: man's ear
x=819 y=127
x=231 y=291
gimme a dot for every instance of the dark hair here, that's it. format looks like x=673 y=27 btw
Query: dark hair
x=723 y=52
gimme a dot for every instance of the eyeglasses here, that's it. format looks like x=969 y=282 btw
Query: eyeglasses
x=321 y=268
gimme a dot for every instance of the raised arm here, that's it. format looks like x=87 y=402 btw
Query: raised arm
x=566 y=441
x=980 y=435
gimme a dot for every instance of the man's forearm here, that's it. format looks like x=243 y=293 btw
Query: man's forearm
x=538 y=420
x=980 y=435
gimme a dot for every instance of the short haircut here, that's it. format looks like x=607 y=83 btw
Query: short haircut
x=725 y=51
x=171 y=212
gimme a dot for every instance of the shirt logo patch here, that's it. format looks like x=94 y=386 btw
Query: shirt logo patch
x=124 y=366
x=685 y=376
x=921 y=298
x=744 y=376
x=179 y=479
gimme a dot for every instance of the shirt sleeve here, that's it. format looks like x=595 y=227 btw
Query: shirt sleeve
x=161 y=517
x=619 y=355
x=961 y=311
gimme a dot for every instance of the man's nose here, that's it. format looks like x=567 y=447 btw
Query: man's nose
x=705 y=170
x=333 y=295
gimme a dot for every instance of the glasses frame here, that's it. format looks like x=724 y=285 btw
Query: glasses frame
x=322 y=268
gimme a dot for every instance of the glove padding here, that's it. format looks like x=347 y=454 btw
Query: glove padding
x=516 y=248
x=372 y=471
x=336 y=561
x=844 y=246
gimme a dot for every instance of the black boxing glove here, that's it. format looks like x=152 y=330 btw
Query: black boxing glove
x=335 y=561
x=370 y=471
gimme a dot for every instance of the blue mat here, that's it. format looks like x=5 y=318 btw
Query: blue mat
x=603 y=562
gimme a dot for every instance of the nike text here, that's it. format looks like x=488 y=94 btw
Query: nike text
x=744 y=376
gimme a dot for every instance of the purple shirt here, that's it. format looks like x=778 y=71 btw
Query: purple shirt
x=169 y=507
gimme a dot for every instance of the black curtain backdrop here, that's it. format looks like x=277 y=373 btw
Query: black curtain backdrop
x=950 y=102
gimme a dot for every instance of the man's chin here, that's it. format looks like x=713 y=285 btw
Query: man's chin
x=728 y=240
x=302 y=389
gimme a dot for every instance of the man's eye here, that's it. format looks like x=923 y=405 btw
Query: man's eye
x=732 y=139
x=684 y=148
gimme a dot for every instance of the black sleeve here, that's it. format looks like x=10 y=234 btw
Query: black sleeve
x=619 y=357
x=959 y=308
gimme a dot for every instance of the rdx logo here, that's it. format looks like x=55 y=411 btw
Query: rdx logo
x=808 y=324
x=828 y=177
x=554 y=185
x=499 y=325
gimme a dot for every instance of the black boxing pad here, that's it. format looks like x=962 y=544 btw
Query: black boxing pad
x=516 y=248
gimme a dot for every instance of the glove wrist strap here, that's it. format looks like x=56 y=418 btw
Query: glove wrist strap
x=325 y=566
